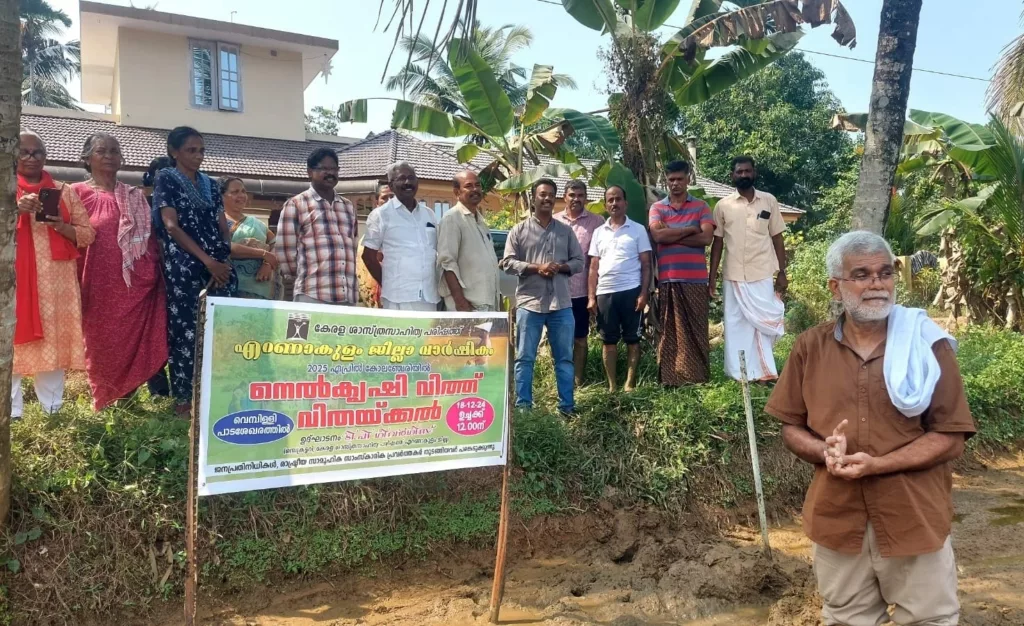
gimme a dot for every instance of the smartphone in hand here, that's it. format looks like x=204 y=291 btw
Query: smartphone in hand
x=50 y=199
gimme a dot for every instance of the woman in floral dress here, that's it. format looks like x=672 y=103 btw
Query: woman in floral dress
x=188 y=215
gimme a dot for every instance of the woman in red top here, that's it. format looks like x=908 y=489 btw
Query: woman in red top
x=124 y=310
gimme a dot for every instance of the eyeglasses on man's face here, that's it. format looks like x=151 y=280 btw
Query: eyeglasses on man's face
x=864 y=279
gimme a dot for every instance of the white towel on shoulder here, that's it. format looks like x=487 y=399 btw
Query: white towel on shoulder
x=910 y=367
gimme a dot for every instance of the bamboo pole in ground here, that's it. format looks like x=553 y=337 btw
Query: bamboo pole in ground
x=498 y=587
x=755 y=460
x=192 y=503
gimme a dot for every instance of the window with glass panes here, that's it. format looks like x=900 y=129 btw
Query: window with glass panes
x=216 y=76
x=230 y=78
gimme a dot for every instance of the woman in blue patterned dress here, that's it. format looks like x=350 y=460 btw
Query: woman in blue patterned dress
x=188 y=215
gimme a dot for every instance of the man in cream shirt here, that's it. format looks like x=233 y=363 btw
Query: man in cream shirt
x=405 y=231
x=465 y=253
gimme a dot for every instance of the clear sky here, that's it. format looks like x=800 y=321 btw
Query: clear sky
x=955 y=36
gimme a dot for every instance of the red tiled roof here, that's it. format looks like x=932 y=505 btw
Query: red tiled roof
x=279 y=158
x=225 y=154
x=371 y=157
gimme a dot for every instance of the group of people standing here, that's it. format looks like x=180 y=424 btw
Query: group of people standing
x=574 y=265
x=110 y=282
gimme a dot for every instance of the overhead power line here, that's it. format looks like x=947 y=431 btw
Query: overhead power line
x=916 y=69
x=836 y=56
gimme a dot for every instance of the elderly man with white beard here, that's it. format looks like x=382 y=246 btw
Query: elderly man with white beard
x=875 y=402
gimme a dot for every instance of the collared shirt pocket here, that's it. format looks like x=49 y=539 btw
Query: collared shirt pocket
x=431 y=235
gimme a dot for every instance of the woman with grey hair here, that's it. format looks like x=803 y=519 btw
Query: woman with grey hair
x=52 y=226
x=124 y=306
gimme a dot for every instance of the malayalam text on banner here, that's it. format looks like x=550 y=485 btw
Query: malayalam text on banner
x=296 y=394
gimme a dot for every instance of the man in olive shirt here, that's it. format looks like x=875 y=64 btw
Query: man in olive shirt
x=543 y=252
x=465 y=254
x=880 y=507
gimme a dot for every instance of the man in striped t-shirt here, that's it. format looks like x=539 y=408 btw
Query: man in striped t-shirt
x=682 y=227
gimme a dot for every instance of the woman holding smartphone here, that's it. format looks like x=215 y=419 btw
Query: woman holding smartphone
x=188 y=217
x=52 y=226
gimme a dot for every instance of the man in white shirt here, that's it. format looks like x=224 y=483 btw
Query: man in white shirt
x=405 y=231
x=619 y=284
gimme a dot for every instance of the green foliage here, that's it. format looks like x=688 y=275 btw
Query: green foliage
x=6 y=613
x=98 y=490
x=437 y=86
x=983 y=229
x=322 y=121
x=922 y=292
x=712 y=77
x=47 y=63
x=782 y=117
x=809 y=297
x=511 y=137
x=992 y=365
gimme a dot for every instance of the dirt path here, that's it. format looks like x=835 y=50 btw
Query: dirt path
x=624 y=569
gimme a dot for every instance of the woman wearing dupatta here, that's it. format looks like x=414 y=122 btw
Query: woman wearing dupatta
x=252 y=245
x=48 y=313
x=188 y=215
x=124 y=308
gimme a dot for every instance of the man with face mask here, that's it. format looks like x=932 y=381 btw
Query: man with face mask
x=749 y=226
x=875 y=402
x=465 y=253
x=404 y=230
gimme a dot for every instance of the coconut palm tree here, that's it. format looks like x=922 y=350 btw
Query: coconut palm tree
x=10 y=114
x=1005 y=98
x=47 y=63
x=429 y=79
x=890 y=90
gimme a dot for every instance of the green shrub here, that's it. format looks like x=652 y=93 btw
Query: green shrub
x=98 y=490
x=809 y=298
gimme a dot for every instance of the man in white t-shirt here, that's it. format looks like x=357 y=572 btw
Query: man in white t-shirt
x=405 y=231
x=619 y=284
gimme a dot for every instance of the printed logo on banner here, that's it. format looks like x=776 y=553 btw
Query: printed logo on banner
x=250 y=428
x=298 y=327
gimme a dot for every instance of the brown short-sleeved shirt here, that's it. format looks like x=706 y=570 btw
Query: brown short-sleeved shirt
x=825 y=382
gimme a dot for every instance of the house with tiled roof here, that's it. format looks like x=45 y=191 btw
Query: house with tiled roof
x=239 y=85
x=242 y=87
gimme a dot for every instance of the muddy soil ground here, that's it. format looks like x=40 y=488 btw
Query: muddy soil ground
x=626 y=568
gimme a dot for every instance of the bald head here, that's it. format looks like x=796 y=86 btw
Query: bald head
x=468 y=190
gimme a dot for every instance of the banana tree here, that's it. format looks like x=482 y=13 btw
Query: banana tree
x=981 y=219
x=759 y=32
x=497 y=137
x=983 y=236
x=957 y=152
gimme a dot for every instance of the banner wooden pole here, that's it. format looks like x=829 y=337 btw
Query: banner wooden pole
x=498 y=588
x=192 y=503
x=754 y=457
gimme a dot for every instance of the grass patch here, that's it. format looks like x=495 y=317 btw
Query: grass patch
x=98 y=499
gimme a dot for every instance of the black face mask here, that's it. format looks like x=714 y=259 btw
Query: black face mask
x=744 y=183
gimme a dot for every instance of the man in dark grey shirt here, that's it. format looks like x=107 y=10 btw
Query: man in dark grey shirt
x=543 y=253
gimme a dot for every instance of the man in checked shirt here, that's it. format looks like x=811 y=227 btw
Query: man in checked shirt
x=316 y=237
